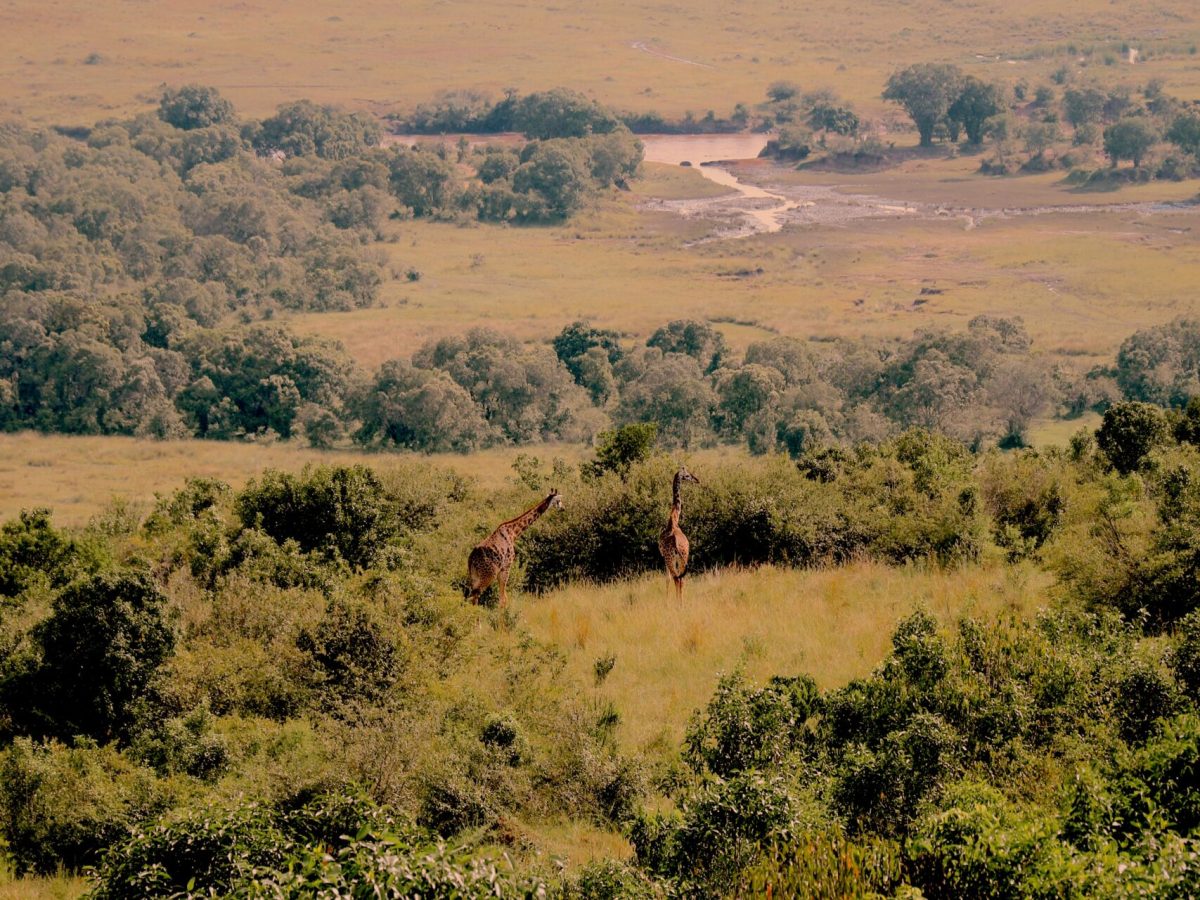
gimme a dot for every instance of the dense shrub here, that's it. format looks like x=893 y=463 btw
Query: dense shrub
x=97 y=652
x=33 y=551
x=1129 y=432
x=743 y=728
x=60 y=807
x=722 y=829
x=225 y=851
x=386 y=866
x=618 y=450
x=351 y=659
x=207 y=849
x=1026 y=499
x=825 y=864
x=978 y=844
x=341 y=512
x=911 y=499
x=611 y=880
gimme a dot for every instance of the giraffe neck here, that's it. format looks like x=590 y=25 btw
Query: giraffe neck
x=676 y=502
x=514 y=527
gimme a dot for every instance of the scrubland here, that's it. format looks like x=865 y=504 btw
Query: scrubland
x=901 y=664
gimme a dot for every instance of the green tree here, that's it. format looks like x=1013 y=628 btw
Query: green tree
x=1083 y=106
x=422 y=180
x=976 y=103
x=1130 y=138
x=194 y=106
x=1129 y=432
x=672 y=391
x=1184 y=133
x=419 y=409
x=97 y=652
x=342 y=512
x=743 y=393
x=561 y=113
x=926 y=91
x=32 y=550
x=553 y=180
x=304 y=128
x=835 y=119
x=575 y=340
x=698 y=340
x=619 y=449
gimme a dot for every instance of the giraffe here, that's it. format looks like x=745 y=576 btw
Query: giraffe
x=672 y=542
x=492 y=557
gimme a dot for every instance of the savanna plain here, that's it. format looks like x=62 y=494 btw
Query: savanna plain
x=299 y=302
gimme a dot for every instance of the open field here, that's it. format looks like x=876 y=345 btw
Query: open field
x=833 y=624
x=78 y=477
x=1082 y=279
x=69 y=61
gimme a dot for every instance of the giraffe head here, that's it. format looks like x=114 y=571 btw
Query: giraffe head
x=684 y=475
x=555 y=499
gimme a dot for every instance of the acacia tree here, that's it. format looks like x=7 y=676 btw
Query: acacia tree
x=926 y=91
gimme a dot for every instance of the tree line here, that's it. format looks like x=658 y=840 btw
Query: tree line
x=148 y=366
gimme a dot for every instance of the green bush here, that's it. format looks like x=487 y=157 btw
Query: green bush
x=33 y=551
x=825 y=864
x=978 y=844
x=350 y=657
x=727 y=824
x=1129 y=432
x=97 y=652
x=386 y=866
x=60 y=807
x=208 y=850
x=611 y=880
x=743 y=728
x=1026 y=499
x=341 y=512
x=232 y=851
x=621 y=448
x=1184 y=658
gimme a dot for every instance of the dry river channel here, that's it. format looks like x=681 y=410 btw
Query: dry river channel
x=749 y=208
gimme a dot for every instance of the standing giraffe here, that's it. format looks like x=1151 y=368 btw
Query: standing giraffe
x=672 y=542
x=491 y=558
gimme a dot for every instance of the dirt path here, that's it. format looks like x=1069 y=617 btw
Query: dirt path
x=645 y=47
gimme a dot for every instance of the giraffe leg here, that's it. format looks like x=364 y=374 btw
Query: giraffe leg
x=679 y=588
x=503 y=579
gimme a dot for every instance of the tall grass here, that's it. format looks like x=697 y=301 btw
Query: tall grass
x=834 y=624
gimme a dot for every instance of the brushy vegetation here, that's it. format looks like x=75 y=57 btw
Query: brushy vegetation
x=277 y=690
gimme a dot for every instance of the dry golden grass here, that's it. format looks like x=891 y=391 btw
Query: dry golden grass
x=78 y=476
x=73 y=61
x=834 y=624
x=61 y=887
x=1082 y=281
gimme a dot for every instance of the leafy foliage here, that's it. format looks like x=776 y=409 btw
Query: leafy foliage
x=94 y=658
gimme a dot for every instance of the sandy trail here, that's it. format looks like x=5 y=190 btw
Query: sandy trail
x=644 y=47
